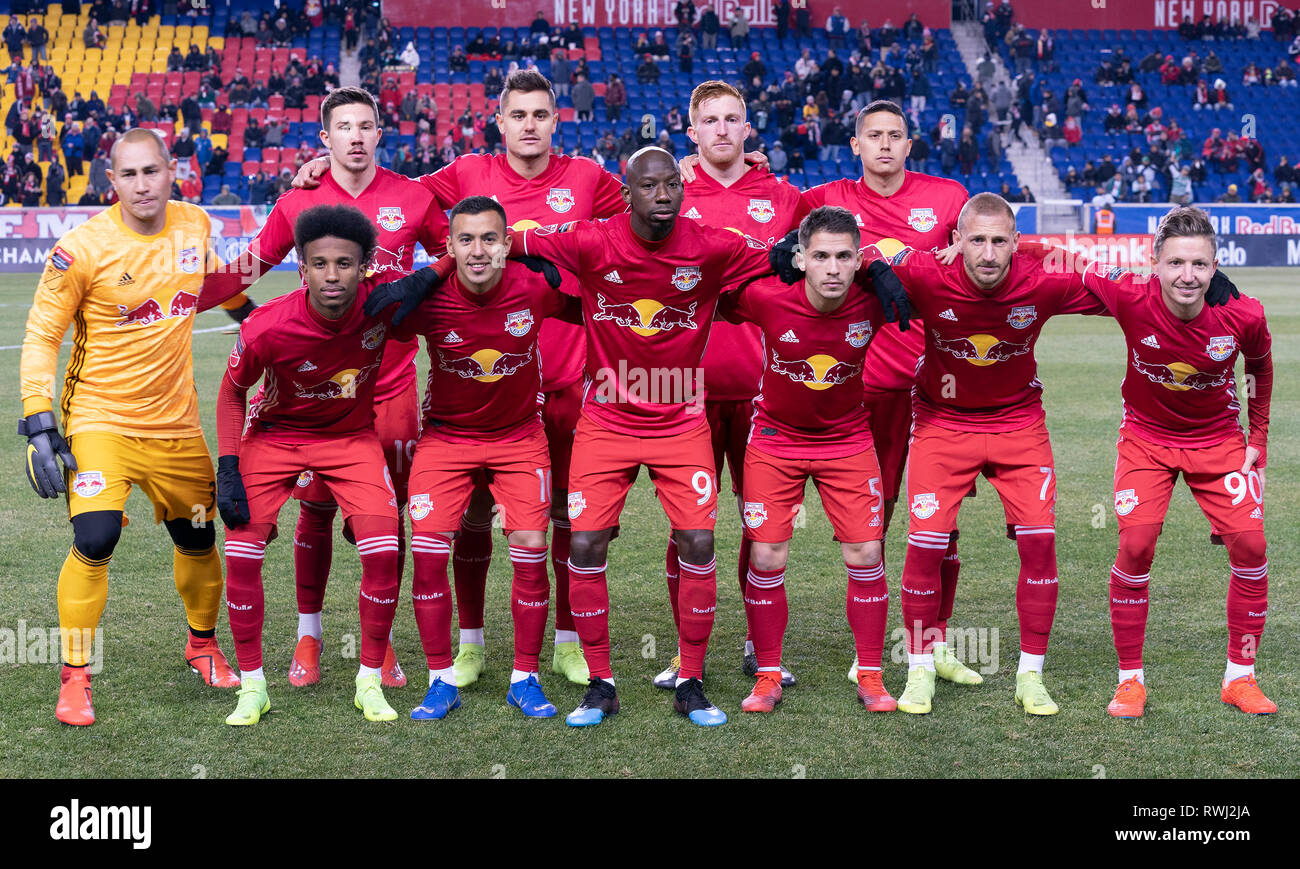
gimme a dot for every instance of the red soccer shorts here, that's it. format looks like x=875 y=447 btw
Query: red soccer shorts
x=445 y=473
x=890 y=422
x=729 y=423
x=560 y=415
x=943 y=465
x=849 y=489
x=605 y=465
x=351 y=467
x=397 y=422
x=1145 y=474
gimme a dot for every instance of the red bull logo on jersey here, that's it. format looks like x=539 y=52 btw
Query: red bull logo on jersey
x=686 y=277
x=485 y=366
x=1125 y=501
x=981 y=349
x=342 y=385
x=577 y=504
x=761 y=210
x=922 y=219
x=1178 y=376
x=858 y=334
x=924 y=505
x=391 y=219
x=420 y=506
x=560 y=199
x=148 y=311
x=385 y=260
x=1221 y=348
x=519 y=323
x=304 y=479
x=1022 y=316
x=755 y=514
x=645 y=317
x=816 y=372
x=88 y=484
x=373 y=337
x=189 y=260
x=183 y=304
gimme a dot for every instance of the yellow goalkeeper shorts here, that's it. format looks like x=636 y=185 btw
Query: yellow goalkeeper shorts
x=176 y=474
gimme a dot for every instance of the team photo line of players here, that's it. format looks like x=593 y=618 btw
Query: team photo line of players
x=533 y=293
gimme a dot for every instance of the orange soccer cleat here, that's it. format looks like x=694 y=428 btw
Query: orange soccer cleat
x=1130 y=699
x=304 y=669
x=74 y=705
x=391 y=675
x=766 y=693
x=205 y=658
x=1246 y=696
x=872 y=693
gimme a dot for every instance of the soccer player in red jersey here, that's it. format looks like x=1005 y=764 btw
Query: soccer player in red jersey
x=649 y=287
x=318 y=357
x=729 y=193
x=536 y=188
x=896 y=209
x=978 y=410
x=809 y=421
x=404 y=214
x=1181 y=415
x=482 y=416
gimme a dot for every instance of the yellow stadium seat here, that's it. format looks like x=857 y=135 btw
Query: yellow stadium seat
x=217 y=42
x=219 y=140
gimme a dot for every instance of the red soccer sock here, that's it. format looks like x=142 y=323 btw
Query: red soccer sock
x=671 y=575
x=697 y=597
x=768 y=613
x=431 y=594
x=313 y=550
x=948 y=570
x=1129 y=597
x=867 y=606
x=919 y=589
x=380 y=583
x=529 y=599
x=1036 y=588
x=560 y=562
x=589 y=597
x=1247 y=594
x=742 y=572
x=471 y=558
x=244 y=599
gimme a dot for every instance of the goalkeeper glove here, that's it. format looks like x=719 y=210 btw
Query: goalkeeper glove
x=44 y=443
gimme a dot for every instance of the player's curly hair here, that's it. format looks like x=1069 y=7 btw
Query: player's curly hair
x=1181 y=222
x=829 y=218
x=478 y=205
x=340 y=221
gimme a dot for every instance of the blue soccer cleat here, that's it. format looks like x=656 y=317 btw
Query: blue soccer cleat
x=526 y=695
x=440 y=700
x=600 y=700
x=691 y=702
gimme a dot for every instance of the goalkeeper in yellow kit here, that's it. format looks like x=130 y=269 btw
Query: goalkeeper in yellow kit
x=128 y=282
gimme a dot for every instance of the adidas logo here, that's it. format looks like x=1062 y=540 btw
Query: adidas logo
x=789 y=337
x=694 y=214
x=1151 y=341
x=1257 y=513
x=452 y=338
x=613 y=277
x=307 y=366
x=948 y=315
x=126 y=280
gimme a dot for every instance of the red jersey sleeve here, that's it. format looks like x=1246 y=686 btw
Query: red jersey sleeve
x=274 y=240
x=732 y=307
x=244 y=365
x=747 y=261
x=608 y=199
x=434 y=230
x=561 y=244
x=444 y=185
x=1257 y=349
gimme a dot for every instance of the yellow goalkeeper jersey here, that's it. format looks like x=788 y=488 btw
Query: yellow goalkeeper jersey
x=131 y=301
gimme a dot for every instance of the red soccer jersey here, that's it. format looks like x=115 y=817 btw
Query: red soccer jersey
x=978 y=372
x=762 y=206
x=484 y=374
x=810 y=400
x=318 y=375
x=1180 y=386
x=571 y=188
x=647 y=307
x=922 y=215
x=403 y=212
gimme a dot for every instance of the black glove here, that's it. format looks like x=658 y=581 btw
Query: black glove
x=232 y=500
x=544 y=266
x=44 y=443
x=241 y=313
x=781 y=258
x=410 y=291
x=1221 y=290
x=890 y=292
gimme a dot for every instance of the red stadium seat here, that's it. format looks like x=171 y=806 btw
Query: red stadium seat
x=249 y=167
x=257 y=115
x=276 y=103
x=406 y=128
x=238 y=118
x=235 y=153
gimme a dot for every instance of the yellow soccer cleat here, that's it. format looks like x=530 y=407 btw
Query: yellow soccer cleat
x=950 y=668
x=253 y=704
x=369 y=698
x=919 y=693
x=569 y=662
x=1033 y=696
x=468 y=665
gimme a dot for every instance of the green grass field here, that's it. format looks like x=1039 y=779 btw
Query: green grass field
x=156 y=719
